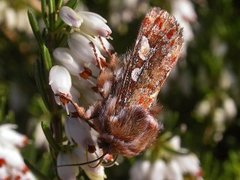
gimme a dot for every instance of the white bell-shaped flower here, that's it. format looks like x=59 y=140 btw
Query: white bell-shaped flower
x=158 y=170
x=81 y=48
x=70 y=17
x=140 y=170
x=10 y=137
x=185 y=8
x=78 y=131
x=60 y=80
x=173 y=171
x=189 y=164
x=92 y=171
x=67 y=172
x=94 y=24
x=64 y=56
x=229 y=107
x=13 y=158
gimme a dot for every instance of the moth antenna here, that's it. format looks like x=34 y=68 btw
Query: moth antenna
x=91 y=82
x=84 y=163
x=96 y=56
x=107 y=164
x=100 y=161
x=103 y=46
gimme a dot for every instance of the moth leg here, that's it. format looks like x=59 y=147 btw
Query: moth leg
x=80 y=111
x=100 y=60
x=108 y=52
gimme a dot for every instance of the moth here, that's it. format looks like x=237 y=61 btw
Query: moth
x=124 y=117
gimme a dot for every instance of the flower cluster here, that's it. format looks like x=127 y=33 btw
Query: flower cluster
x=172 y=166
x=14 y=19
x=12 y=165
x=221 y=109
x=185 y=14
x=77 y=67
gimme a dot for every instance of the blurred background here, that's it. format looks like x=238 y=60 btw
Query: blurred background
x=200 y=100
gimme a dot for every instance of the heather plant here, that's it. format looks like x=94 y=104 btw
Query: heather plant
x=53 y=52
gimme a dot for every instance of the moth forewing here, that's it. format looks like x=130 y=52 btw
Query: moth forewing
x=156 y=51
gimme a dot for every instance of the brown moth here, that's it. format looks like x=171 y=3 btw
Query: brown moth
x=129 y=87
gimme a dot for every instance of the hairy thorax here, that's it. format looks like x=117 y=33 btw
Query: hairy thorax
x=128 y=131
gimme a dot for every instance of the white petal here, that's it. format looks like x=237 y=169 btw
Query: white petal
x=203 y=108
x=188 y=164
x=96 y=173
x=81 y=48
x=9 y=136
x=94 y=24
x=70 y=17
x=13 y=158
x=175 y=143
x=187 y=29
x=185 y=8
x=4 y=174
x=67 y=172
x=22 y=21
x=173 y=171
x=229 y=107
x=158 y=170
x=60 y=80
x=78 y=131
x=28 y=176
x=75 y=94
x=64 y=56
x=139 y=171
x=219 y=117
x=92 y=15
x=40 y=139
x=10 y=18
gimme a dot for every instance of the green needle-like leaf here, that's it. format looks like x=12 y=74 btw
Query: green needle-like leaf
x=44 y=12
x=35 y=27
x=46 y=58
x=48 y=134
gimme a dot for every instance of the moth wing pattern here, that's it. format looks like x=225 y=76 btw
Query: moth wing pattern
x=156 y=51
